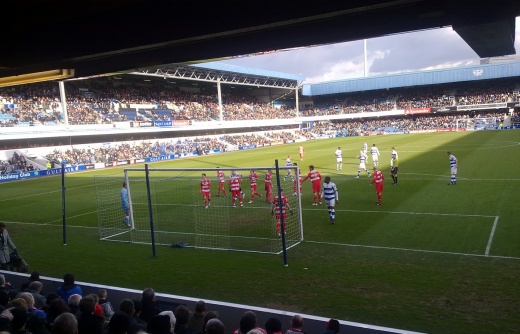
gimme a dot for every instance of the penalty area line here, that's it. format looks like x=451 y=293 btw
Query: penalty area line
x=412 y=250
x=488 y=247
x=406 y=213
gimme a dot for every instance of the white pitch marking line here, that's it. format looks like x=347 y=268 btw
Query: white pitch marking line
x=491 y=236
x=331 y=243
x=460 y=178
x=44 y=193
x=406 y=213
x=83 y=214
x=412 y=250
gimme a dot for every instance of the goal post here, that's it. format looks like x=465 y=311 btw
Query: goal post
x=181 y=217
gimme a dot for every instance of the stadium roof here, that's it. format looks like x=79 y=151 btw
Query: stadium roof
x=99 y=37
x=432 y=77
x=249 y=71
x=231 y=74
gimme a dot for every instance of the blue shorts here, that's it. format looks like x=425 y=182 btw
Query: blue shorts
x=125 y=207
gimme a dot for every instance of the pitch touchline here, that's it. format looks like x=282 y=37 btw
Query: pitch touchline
x=412 y=250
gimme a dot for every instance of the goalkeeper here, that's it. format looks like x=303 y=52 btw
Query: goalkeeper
x=281 y=212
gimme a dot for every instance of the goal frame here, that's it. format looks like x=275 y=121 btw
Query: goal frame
x=278 y=172
x=491 y=121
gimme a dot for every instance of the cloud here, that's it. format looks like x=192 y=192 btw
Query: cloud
x=414 y=51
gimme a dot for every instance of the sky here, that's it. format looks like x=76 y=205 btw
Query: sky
x=414 y=51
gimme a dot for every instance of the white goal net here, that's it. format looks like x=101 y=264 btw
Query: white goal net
x=181 y=216
x=476 y=123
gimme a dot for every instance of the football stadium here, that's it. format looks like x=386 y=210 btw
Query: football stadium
x=203 y=189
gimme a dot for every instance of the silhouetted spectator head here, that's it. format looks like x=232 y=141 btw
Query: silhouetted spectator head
x=182 y=314
x=51 y=297
x=127 y=306
x=333 y=325
x=87 y=305
x=207 y=317
x=248 y=321
x=35 y=276
x=56 y=307
x=102 y=294
x=35 y=285
x=119 y=323
x=20 y=317
x=200 y=307
x=148 y=295
x=68 y=279
x=273 y=325
x=297 y=321
x=65 y=323
x=159 y=324
x=215 y=326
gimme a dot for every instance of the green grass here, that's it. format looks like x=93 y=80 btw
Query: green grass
x=418 y=262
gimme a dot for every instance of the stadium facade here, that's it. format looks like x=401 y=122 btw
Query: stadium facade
x=411 y=79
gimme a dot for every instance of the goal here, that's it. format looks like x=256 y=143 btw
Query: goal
x=477 y=123
x=167 y=208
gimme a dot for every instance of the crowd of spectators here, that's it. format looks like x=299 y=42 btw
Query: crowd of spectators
x=91 y=102
x=420 y=122
x=281 y=137
x=16 y=164
x=483 y=94
x=245 y=139
x=201 y=145
x=69 y=310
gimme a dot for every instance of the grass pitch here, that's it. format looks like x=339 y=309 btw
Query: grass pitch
x=433 y=258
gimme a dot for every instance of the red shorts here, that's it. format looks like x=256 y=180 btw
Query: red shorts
x=206 y=194
x=268 y=187
x=284 y=216
x=379 y=187
x=316 y=186
x=235 y=193
x=253 y=188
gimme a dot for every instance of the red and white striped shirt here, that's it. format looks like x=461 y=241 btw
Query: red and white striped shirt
x=221 y=176
x=268 y=177
x=277 y=205
x=205 y=185
x=314 y=175
x=253 y=177
x=234 y=183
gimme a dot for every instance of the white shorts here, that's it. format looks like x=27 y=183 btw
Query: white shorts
x=453 y=170
x=362 y=166
x=332 y=202
x=339 y=159
x=375 y=157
